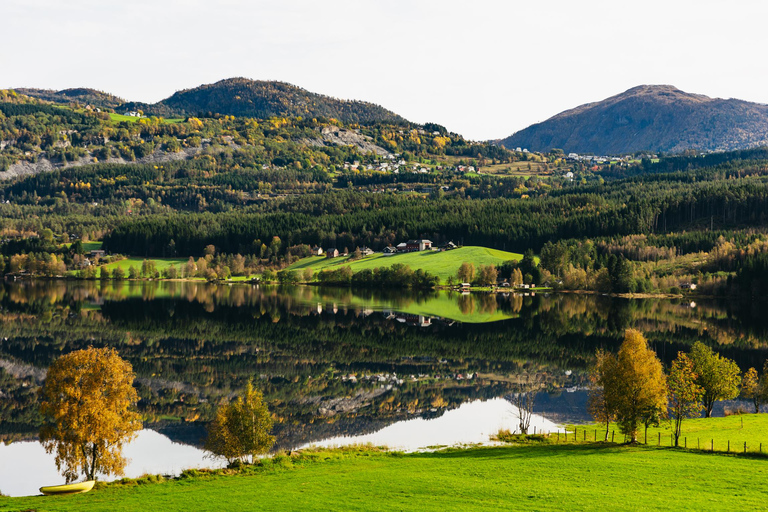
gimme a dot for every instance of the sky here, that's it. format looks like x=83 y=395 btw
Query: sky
x=482 y=68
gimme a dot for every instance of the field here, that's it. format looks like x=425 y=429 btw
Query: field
x=529 y=477
x=443 y=264
x=160 y=263
x=131 y=119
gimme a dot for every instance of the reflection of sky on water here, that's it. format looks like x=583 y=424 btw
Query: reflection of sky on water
x=25 y=467
x=472 y=422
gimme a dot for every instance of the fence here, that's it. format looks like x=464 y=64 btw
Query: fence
x=591 y=435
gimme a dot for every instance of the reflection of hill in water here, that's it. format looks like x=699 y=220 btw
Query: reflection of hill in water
x=194 y=344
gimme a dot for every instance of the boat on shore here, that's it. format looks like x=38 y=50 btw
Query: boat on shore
x=55 y=490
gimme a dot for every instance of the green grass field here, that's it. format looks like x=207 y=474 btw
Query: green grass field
x=443 y=264
x=160 y=263
x=120 y=117
x=527 y=477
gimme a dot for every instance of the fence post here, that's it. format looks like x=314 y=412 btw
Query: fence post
x=713 y=445
x=585 y=434
x=729 y=447
x=686 y=442
x=558 y=435
x=595 y=435
x=745 y=447
x=613 y=433
x=659 y=443
x=698 y=443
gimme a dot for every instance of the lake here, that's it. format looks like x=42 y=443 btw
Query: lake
x=403 y=369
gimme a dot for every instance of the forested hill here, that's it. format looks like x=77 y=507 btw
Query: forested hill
x=78 y=95
x=242 y=97
x=650 y=118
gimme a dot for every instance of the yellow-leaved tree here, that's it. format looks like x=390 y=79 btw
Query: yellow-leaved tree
x=88 y=405
x=241 y=429
x=635 y=387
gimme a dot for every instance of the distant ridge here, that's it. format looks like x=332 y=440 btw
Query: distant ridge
x=80 y=95
x=652 y=118
x=261 y=99
x=239 y=97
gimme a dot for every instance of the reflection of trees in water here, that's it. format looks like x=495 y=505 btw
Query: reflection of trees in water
x=466 y=304
x=212 y=338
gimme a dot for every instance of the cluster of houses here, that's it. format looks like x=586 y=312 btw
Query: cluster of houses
x=393 y=163
x=403 y=247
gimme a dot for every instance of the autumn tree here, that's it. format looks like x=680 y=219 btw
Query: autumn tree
x=750 y=388
x=466 y=272
x=88 y=402
x=635 y=384
x=718 y=376
x=684 y=394
x=240 y=430
x=598 y=406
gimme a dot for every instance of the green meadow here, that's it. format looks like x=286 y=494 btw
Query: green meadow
x=443 y=264
x=537 y=476
x=160 y=263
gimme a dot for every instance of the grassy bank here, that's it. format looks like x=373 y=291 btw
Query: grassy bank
x=531 y=477
x=442 y=264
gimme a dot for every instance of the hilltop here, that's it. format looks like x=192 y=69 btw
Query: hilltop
x=650 y=117
x=243 y=97
x=77 y=95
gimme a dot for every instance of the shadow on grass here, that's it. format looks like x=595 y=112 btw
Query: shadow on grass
x=526 y=451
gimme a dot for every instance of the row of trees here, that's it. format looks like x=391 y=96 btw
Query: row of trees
x=632 y=389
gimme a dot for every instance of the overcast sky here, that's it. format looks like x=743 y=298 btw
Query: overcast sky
x=481 y=68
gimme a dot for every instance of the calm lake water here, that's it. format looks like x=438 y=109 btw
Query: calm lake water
x=406 y=370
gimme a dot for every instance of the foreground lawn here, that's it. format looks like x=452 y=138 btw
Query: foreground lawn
x=443 y=264
x=528 y=477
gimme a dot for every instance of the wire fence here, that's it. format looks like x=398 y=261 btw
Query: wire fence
x=704 y=444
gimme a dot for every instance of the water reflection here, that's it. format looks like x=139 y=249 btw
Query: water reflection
x=471 y=423
x=26 y=467
x=338 y=362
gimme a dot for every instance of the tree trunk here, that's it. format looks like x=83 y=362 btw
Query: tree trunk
x=607 y=428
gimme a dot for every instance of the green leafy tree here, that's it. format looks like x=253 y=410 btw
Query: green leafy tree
x=684 y=394
x=718 y=376
x=241 y=429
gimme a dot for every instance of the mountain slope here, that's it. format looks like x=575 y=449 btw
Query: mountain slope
x=650 y=117
x=80 y=95
x=242 y=97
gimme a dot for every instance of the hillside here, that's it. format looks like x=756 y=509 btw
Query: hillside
x=653 y=118
x=443 y=264
x=82 y=95
x=242 y=97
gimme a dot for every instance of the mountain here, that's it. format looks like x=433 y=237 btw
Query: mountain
x=650 y=117
x=79 y=95
x=242 y=97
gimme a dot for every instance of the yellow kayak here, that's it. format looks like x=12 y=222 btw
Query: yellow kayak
x=68 y=488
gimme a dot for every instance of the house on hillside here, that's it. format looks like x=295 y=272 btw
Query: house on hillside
x=366 y=251
x=332 y=253
x=317 y=251
x=414 y=246
x=447 y=246
x=688 y=286
x=98 y=252
x=389 y=250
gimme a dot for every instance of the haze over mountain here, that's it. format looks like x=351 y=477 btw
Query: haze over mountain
x=240 y=97
x=653 y=118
